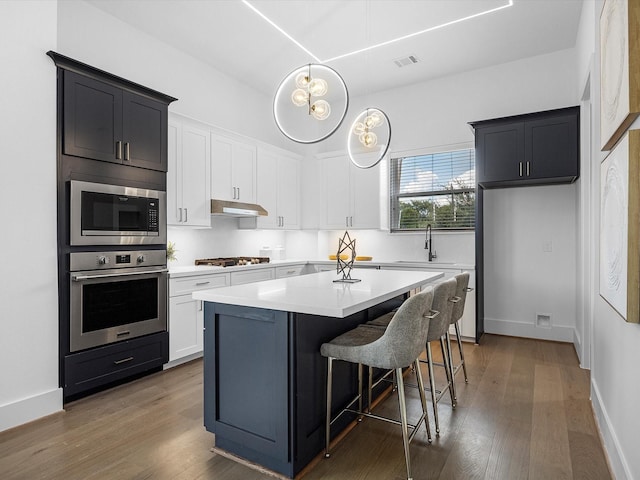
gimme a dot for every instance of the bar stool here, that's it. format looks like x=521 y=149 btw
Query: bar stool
x=443 y=298
x=394 y=348
x=462 y=280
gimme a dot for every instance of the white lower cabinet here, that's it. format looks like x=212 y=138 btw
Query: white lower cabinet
x=250 y=276
x=290 y=271
x=186 y=315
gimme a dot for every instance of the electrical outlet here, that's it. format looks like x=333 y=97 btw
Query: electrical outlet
x=547 y=246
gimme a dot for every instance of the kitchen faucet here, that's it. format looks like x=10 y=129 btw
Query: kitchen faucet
x=428 y=244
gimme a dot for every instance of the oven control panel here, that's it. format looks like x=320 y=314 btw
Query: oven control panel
x=79 y=261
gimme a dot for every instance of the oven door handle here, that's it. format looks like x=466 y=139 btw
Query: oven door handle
x=79 y=278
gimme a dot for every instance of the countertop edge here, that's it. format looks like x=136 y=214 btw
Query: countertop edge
x=196 y=270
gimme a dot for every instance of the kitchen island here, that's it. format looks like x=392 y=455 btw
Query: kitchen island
x=264 y=377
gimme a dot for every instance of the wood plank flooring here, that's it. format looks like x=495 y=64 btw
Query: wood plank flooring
x=525 y=414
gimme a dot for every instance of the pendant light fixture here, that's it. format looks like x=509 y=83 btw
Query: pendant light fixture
x=310 y=103
x=369 y=138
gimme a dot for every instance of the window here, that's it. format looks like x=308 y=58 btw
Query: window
x=436 y=188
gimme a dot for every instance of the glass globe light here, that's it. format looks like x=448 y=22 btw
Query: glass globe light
x=299 y=97
x=359 y=128
x=369 y=139
x=318 y=87
x=302 y=79
x=373 y=120
x=320 y=110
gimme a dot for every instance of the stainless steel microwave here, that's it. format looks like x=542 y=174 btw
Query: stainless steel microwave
x=102 y=214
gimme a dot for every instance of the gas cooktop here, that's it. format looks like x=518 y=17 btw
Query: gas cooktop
x=232 y=261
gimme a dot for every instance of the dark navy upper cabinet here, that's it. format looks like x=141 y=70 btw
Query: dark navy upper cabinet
x=533 y=149
x=108 y=118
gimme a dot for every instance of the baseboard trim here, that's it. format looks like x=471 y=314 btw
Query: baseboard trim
x=520 y=329
x=617 y=463
x=30 y=409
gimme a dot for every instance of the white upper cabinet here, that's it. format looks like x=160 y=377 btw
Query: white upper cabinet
x=351 y=195
x=233 y=169
x=188 y=187
x=278 y=190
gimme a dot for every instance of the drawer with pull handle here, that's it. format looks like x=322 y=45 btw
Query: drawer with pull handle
x=187 y=285
x=289 y=271
x=100 y=366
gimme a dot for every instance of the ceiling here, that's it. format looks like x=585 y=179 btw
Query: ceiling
x=234 y=39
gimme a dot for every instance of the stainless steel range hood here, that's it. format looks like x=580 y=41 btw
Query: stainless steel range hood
x=236 y=209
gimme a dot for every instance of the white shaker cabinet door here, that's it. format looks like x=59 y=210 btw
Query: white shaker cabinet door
x=188 y=188
x=196 y=191
x=335 y=194
x=185 y=326
x=365 y=197
x=288 y=193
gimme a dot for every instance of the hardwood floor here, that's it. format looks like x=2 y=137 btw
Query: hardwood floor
x=525 y=414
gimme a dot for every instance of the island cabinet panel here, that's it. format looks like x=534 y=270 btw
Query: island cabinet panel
x=265 y=381
x=533 y=149
x=246 y=387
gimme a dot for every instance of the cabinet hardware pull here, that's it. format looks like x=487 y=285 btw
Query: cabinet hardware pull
x=180 y=209
x=127 y=156
x=186 y=215
x=234 y=193
x=346 y=220
x=238 y=193
x=124 y=360
x=79 y=278
x=122 y=334
x=528 y=169
x=199 y=284
x=520 y=168
x=118 y=150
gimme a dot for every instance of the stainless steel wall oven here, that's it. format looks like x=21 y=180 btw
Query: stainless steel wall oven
x=116 y=296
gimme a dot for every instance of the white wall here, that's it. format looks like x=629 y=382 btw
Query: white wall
x=28 y=285
x=616 y=344
x=89 y=35
x=522 y=277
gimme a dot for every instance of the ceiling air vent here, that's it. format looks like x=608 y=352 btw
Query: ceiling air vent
x=405 y=61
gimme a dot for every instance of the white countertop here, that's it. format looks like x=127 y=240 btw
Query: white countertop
x=316 y=294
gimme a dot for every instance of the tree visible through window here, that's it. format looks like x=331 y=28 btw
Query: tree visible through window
x=436 y=189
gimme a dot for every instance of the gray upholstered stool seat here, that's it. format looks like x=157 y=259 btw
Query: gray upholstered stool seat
x=444 y=301
x=394 y=348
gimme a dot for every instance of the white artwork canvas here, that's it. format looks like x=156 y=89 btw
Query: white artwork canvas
x=614 y=214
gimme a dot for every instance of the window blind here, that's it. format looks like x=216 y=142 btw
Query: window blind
x=437 y=188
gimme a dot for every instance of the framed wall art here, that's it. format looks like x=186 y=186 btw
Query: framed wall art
x=620 y=227
x=619 y=69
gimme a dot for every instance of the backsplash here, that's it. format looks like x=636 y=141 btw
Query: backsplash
x=225 y=239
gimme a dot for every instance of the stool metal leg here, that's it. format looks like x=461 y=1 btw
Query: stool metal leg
x=360 y=391
x=432 y=384
x=464 y=365
x=446 y=356
x=328 y=420
x=423 y=398
x=370 y=389
x=403 y=420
